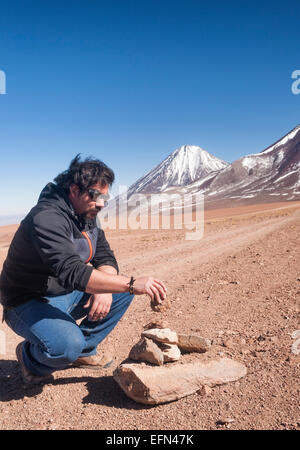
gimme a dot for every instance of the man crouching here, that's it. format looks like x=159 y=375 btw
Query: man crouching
x=47 y=284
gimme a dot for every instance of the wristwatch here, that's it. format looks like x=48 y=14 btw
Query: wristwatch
x=132 y=280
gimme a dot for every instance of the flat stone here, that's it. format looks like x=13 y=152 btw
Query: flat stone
x=161 y=335
x=193 y=343
x=155 y=385
x=147 y=350
x=156 y=324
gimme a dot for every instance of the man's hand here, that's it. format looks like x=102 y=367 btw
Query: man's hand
x=99 y=306
x=153 y=287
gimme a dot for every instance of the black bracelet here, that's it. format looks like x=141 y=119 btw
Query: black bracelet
x=132 y=280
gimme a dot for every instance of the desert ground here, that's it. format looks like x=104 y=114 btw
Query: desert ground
x=238 y=286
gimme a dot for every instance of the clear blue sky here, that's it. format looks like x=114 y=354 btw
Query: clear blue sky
x=130 y=81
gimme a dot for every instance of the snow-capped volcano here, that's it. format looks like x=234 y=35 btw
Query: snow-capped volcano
x=271 y=175
x=184 y=166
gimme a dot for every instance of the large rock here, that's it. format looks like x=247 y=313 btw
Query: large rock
x=154 y=385
x=193 y=343
x=147 y=350
x=161 y=335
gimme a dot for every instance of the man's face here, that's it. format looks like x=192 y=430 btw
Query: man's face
x=84 y=204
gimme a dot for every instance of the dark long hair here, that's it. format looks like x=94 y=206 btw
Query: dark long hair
x=85 y=174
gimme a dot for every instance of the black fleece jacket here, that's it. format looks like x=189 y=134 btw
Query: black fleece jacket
x=50 y=251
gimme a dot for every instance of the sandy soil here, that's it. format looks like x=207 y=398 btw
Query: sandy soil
x=239 y=286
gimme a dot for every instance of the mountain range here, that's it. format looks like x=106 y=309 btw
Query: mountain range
x=268 y=176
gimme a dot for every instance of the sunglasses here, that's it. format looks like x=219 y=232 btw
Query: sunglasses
x=95 y=195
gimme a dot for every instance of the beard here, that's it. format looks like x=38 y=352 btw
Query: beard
x=92 y=213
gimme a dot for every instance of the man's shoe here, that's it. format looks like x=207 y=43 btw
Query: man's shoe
x=28 y=377
x=94 y=362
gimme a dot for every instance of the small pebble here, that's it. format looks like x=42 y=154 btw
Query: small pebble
x=204 y=391
x=224 y=421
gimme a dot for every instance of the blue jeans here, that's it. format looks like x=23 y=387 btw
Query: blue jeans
x=53 y=339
